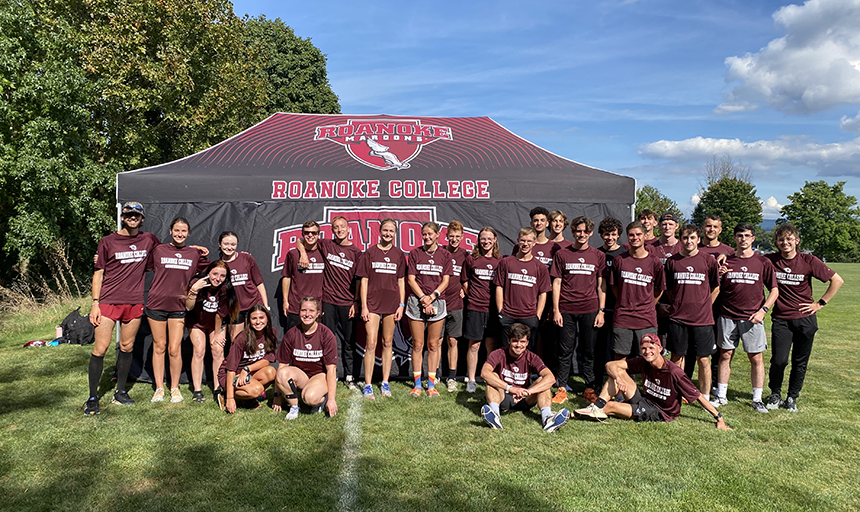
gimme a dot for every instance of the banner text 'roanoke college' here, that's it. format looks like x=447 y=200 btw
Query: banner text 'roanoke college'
x=372 y=189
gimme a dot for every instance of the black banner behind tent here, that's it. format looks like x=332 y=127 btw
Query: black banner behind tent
x=266 y=181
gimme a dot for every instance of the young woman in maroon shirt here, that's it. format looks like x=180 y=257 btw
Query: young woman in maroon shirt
x=173 y=264
x=247 y=370
x=480 y=323
x=246 y=278
x=211 y=301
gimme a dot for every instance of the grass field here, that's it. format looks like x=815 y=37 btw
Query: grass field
x=418 y=454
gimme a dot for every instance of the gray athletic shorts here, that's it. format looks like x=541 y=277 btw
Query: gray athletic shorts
x=626 y=341
x=454 y=323
x=414 y=311
x=732 y=331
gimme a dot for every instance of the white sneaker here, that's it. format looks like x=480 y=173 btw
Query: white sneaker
x=175 y=396
x=591 y=412
x=158 y=396
x=452 y=385
x=717 y=401
x=292 y=414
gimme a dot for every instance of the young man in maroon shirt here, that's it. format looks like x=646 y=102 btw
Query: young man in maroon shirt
x=118 y=297
x=692 y=284
x=637 y=281
x=663 y=383
x=794 y=320
x=522 y=283
x=453 y=329
x=579 y=297
x=742 y=309
x=339 y=292
x=711 y=229
x=299 y=282
x=508 y=372
x=649 y=221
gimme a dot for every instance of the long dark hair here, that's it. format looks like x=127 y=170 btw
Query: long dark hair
x=269 y=339
x=229 y=291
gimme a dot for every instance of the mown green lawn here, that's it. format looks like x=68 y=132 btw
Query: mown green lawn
x=420 y=454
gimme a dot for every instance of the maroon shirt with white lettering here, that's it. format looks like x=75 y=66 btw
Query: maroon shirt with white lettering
x=341 y=262
x=664 y=251
x=429 y=269
x=173 y=269
x=453 y=301
x=310 y=353
x=636 y=280
x=715 y=251
x=479 y=272
x=742 y=289
x=516 y=372
x=522 y=282
x=578 y=271
x=382 y=270
x=245 y=277
x=123 y=259
x=237 y=358
x=210 y=304
x=664 y=386
x=794 y=278
x=690 y=280
x=542 y=252
x=304 y=282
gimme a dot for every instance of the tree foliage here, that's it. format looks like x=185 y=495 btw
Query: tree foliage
x=89 y=88
x=827 y=218
x=728 y=193
x=648 y=197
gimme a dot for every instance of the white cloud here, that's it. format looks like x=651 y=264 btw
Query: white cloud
x=731 y=108
x=814 y=66
x=695 y=199
x=770 y=208
x=833 y=159
x=850 y=124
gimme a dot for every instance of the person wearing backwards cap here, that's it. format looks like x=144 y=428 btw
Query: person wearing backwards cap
x=664 y=384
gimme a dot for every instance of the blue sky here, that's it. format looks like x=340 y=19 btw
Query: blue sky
x=645 y=88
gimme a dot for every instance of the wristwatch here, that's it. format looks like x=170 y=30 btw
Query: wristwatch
x=822 y=302
x=765 y=308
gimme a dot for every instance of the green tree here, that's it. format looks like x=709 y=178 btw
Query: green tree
x=729 y=193
x=648 y=197
x=293 y=69
x=827 y=218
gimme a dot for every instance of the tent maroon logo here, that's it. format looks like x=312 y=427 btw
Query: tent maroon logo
x=383 y=144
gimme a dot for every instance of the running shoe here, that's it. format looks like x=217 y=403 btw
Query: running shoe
x=385 y=390
x=368 y=392
x=452 y=385
x=431 y=392
x=589 y=395
x=717 y=401
x=773 y=401
x=471 y=386
x=490 y=417
x=555 y=421
x=91 y=406
x=560 y=396
x=292 y=414
x=121 y=398
x=175 y=395
x=416 y=392
x=222 y=400
x=198 y=397
x=790 y=404
x=350 y=383
x=320 y=407
x=591 y=412
x=158 y=396
x=758 y=406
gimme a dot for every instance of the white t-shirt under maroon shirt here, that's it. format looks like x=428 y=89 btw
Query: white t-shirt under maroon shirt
x=123 y=259
x=522 y=282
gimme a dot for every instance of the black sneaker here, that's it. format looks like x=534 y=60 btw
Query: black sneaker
x=91 y=406
x=221 y=399
x=773 y=401
x=790 y=404
x=121 y=398
x=198 y=397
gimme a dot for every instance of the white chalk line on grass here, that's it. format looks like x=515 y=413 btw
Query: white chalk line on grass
x=351 y=449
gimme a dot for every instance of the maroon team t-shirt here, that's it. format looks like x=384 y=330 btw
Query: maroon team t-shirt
x=210 y=303
x=245 y=277
x=310 y=353
x=382 y=270
x=429 y=269
x=516 y=372
x=690 y=280
x=794 y=278
x=636 y=280
x=453 y=301
x=578 y=271
x=123 y=259
x=173 y=269
x=742 y=289
x=664 y=251
x=304 y=282
x=237 y=357
x=522 y=283
x=610 y=255
x=479 y=272
x=665 y=386
x=718 y=249
x=564 y=244
x=341 y=262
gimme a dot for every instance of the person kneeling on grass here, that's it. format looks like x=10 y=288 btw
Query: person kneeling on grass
x=247 y=371
x=507 y=373
x=664 y=384
x=308 y=364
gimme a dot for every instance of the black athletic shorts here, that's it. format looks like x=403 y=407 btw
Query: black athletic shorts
x=644 y=409
x=684 y=339
x=161 y=316
x=509 y=404
x=478 y=325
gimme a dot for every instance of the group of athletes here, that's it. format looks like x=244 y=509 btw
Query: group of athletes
x=613 y=308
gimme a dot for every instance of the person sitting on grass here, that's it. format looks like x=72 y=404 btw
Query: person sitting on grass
x=247 y=370
x=664 y=384
x=308 y=364
x=507 y=373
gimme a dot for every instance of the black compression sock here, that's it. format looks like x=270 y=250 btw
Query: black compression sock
x=123 y=364
x=600 y=403
x=452 y=373
x=97 y=365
